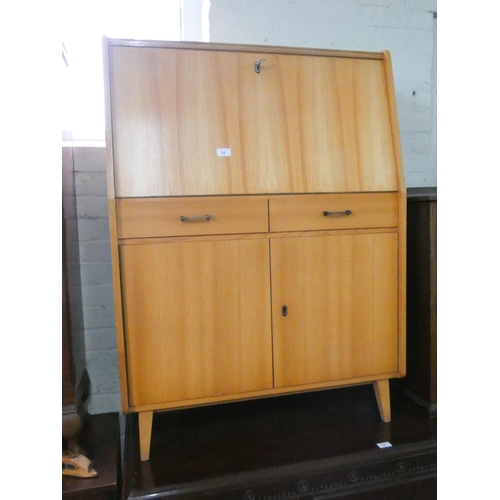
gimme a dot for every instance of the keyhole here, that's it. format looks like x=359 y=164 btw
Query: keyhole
x=257 y=65
x=284 y=310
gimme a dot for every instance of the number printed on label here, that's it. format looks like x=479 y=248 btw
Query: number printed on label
x=223 y=151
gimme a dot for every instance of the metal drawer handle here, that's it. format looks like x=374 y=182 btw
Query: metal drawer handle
x=194 y=218
x=345 y=212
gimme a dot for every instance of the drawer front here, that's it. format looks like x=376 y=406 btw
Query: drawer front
x=333 y=211
x=159 y=217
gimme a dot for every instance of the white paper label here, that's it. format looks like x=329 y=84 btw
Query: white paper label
x=223 y=151
x=384 y=445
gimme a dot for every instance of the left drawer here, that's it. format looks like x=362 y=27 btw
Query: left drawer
x=159 y=217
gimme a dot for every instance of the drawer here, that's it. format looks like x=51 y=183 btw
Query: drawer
x=308 y=212
x=157 y=217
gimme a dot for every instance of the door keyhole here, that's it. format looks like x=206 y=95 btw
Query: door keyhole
x=284 y=310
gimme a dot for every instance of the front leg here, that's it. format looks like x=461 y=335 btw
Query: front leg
x=383 y=395
x=145 y=429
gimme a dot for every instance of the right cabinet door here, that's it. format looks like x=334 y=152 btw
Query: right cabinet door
x=334 y=307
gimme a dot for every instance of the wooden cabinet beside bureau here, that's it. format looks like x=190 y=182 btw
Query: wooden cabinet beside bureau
x=257 y=213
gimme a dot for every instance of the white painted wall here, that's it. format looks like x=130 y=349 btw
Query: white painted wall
x=407 y=28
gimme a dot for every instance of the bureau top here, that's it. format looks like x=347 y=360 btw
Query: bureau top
x=191 y=119
x=231 y=47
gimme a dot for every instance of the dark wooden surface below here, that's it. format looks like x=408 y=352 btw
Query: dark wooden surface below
x=100 y=439
x=317 y=445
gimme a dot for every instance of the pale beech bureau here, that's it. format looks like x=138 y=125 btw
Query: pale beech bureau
x=257 y=210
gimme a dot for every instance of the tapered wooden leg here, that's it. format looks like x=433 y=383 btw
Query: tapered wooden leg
x=383 y=395
x=145 y=428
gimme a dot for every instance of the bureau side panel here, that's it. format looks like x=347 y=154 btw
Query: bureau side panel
x=115 y=258
x=401 y=187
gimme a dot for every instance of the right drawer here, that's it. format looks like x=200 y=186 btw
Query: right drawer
x=315 y=212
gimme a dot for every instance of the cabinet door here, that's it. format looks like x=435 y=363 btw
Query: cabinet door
x=301 y=124
x=340 y=293
x=197 y=319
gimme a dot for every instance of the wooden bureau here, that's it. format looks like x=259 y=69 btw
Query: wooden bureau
x=257 y=211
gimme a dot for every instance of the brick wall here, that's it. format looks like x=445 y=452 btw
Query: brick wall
x=96 y=278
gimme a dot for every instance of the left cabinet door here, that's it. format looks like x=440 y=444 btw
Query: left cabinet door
x=197 y=319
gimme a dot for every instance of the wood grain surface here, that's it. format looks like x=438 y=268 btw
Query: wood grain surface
x=173 y=109
x=197 y=319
